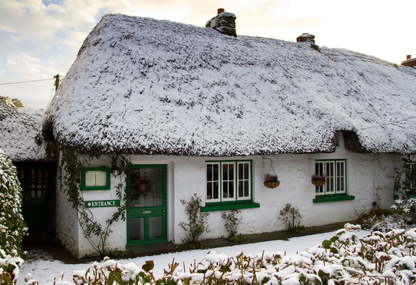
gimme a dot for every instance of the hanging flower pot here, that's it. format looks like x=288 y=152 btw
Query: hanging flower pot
x=318 y=180
x=271 y=181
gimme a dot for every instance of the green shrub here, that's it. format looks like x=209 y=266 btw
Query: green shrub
x=12 y=227
x=291 y=216
x=231 y=221
x=401 y=215
x=197 y=221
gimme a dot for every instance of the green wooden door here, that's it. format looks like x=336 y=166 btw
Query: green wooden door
x=38 y=184
x=147 y=204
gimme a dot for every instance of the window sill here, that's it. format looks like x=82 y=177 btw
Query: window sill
x=233 y=205
x=333 y=198
x=98 y=188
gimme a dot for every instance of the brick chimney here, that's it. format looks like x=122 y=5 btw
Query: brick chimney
x=409 y=61
x=224 y=23
x=306 y=37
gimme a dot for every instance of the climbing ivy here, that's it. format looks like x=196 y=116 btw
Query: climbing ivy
x=405 y=178
x=96 y=233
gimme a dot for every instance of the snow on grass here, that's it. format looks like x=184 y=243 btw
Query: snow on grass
x=344 y=258
x=46 y=270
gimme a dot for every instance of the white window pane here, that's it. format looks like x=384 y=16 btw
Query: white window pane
x=100 y=178
x=340 y=176
x=246 y=189
x=335 y=174
x=212 y=182
x=209 y=190
x=215 y=190
x=243 y=180
x=90 y=178
x=228 y=176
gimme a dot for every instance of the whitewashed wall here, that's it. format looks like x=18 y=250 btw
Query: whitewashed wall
x=370 y=178
x=66 y=217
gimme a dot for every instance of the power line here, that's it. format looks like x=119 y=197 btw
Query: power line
x=26 y=81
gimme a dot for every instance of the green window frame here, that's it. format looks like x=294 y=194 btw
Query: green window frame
x=229 y=185
x=336 y=184
x=84 y=173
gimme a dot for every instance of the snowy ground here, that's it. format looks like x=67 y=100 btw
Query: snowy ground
x=45 y=270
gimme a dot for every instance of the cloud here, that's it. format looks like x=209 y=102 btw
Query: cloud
x=42 y=37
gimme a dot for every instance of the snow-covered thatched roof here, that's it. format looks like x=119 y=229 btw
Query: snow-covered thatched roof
x=146 y=86
x=20 y=133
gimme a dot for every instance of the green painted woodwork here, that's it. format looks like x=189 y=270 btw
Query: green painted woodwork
x=37 y=180
x=231 y=205
x=412 y=196
x=146 y=213
x=107 y=179
x=102 y=203
x=333 y=198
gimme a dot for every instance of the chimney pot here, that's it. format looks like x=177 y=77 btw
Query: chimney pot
x=223 y=22
x=306 y=37
x=408 y=56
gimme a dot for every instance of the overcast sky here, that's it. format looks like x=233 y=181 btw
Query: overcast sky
x=40 y=38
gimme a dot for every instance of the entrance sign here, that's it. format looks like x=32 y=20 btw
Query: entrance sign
x=102 y=203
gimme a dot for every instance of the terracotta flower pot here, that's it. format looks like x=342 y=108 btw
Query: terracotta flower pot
x=318 y=180
x=272 y=184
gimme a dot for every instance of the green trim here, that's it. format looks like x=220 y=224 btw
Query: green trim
x=412 y=196
x=107 y=178
x=145 y=242
x=148 y=212
x=332 y=198
x=336 y=159
x=235 y=160
x=101 y=203
x=230 y=205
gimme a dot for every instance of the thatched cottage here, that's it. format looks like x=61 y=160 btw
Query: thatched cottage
x=21 y=139
x=193 y=110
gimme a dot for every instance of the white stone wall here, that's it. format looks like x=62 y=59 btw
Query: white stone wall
x=117 y=239
x=66 y=217
x=370 y=178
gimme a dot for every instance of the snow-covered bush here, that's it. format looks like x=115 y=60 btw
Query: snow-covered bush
x=401 y=215
x=197 y=221
x=405 y=178
x=231 y=221
x=12 y=228
x=291 y=216
x=376 y=259
x=407 y=208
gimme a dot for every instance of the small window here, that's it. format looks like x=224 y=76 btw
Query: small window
x=335 y=172
x=228 y=181
x=95 y=178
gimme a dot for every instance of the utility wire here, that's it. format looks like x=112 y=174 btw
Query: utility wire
x=26 y=81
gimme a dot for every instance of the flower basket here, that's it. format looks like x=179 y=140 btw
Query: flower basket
x=318 y=180
x=271 y=181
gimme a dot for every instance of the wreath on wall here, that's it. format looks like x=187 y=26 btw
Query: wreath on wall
x=143 y=185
